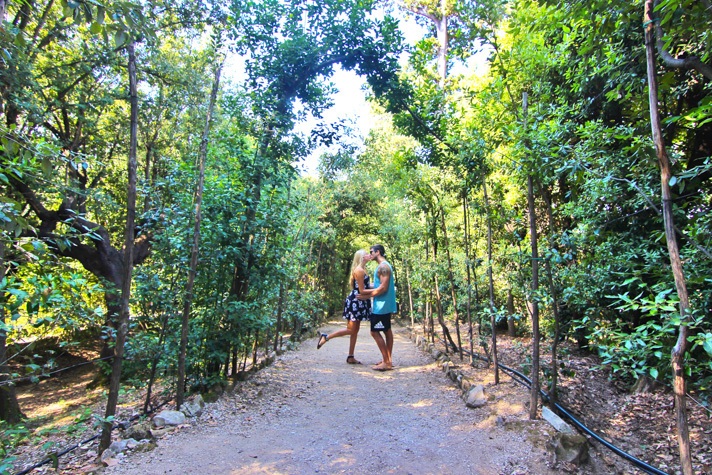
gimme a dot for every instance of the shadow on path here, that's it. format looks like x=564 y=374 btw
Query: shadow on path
x=311 y=412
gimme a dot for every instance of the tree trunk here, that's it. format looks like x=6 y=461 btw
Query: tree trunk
x=534 y=401
x=429 y=302
x=185 y=322
x=451 y=278
x=280 y=311
x=439 y=19
x=410 y=296
x=511 y=328
x=466 y=224
x=429 y=317
x=254 y=349
x=241 y=276
x=154 y=364
x=443 y=42
x=678 y=352
x=491 y=282
x=476 y=288
x=235 y=362
x=9 y=407
x=123 y=323
x=554 y=305
x=449 y=343
x=534 y=299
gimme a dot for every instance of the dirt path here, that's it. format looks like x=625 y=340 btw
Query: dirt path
x=310 y=412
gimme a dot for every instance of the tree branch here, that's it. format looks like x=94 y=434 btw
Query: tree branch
x=693 y=62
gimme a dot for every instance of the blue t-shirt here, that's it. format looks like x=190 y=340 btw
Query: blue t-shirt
x=386 y=302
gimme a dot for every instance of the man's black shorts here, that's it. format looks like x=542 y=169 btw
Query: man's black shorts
x=380 y=323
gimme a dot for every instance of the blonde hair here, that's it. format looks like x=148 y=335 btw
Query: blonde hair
x=357 y=262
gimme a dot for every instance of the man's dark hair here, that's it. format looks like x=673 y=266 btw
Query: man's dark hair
x=379 y=247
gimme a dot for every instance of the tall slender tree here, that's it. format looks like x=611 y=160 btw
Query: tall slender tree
x=193 y=267
x=680 y=348
x=122 y=324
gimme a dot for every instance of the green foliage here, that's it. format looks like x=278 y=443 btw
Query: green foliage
x=12 y=435
x=639 y=351
x=274 y=244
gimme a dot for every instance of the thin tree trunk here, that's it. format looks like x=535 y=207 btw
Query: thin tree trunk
x=235 y=362
x=123 y=321
x=254 y=349
x=185 y=321
x=410 y=296
x=449 y=343
x=429 y=302
x=554 y=306
x=466 y=223
x=451 y=278
x=534 y=303
x=428 y=318
x=678 y=352
x=280 y=310
x=440 y=21
x=490 y=280
x=150 y=171
x=9 y=406
x=244 y=360
x=436 y=285
x=476 y=288
x=443 y=42
x=154 y=364
x=226 y=364
x=511 y=329
x=534 y=401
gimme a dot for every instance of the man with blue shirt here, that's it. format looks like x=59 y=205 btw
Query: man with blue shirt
x=384 y=304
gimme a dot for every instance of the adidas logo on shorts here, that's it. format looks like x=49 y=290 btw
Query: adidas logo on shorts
x=378 y=326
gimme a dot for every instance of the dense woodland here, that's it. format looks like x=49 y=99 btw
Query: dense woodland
x=152 y=209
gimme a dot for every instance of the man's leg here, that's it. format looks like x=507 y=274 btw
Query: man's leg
x=380 y=342
x=389 y=345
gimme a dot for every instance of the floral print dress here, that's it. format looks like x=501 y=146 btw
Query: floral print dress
x=355 y=309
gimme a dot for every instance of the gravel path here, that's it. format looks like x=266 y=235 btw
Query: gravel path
x=310 y=412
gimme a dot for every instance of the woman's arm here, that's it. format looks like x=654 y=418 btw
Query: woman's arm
x=360 y=277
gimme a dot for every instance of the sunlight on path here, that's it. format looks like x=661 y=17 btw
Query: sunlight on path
x=312 y=413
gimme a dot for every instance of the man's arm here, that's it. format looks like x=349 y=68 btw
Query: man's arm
x=384 y=275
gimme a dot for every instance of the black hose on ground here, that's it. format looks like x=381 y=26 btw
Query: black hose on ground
x=522 y=379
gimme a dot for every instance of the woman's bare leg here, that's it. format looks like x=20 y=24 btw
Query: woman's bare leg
x=353 y=327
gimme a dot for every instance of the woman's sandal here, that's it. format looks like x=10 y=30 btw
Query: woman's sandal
x=319 y=344
x=351 y=360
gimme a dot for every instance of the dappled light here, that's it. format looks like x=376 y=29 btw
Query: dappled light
x=194 y=191
x=422 y=403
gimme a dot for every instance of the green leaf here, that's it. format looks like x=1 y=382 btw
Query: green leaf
x=653 y=373
x=707 y=344
x=120 y=38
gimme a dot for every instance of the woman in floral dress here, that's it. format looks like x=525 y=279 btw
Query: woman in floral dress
x=355 y=310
